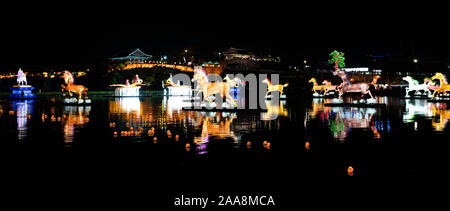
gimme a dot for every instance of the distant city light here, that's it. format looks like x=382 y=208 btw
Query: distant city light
x=415 y=60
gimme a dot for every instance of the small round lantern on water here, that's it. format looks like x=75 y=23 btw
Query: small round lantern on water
x=188 y=147
x=249 y=144
x=155 y=140
x=115 y=134
x=268 y=145
x=306 y=145
x=264 y=144
x=177 y=138
x=350 y=171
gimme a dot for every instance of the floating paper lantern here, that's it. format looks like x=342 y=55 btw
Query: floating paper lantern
x=155 y=140
x=350 y=171
x=115 y=134
x=249 y=144
x=306 y=145
x=188 y=147
x=264 y=144
x=268 y=145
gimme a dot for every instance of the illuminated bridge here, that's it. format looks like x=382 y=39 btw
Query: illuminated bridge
x=139 y=59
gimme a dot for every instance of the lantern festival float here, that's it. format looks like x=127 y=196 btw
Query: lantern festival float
x=71 y=88
x=272 y=88
x=205 y=91
x=347 y=88
x=175 y=89
x=127 y=89
x=418 y=91
x=442 y=89
x=325 y=90
x=22 y=90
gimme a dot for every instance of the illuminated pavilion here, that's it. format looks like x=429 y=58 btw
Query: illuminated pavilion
x=137 y=56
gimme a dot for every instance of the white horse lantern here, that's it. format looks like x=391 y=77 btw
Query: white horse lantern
x=21 y=78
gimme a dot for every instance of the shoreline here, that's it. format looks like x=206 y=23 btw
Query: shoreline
x=92 y=93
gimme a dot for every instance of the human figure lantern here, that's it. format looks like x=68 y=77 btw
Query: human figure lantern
x=175 y=89
x=22 y=90
x=71 y=87
x=346 y=86
x=127 y=89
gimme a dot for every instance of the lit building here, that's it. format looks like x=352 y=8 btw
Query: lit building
x=212 y=68
x=235 y=53
x=135 y=57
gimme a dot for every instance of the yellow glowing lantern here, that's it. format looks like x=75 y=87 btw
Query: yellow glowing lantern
x=155 y=140
x=268 y=145
x=350 y=171
x=249 y=144
x=188 y=147
x=115 y=134
x=177 y=138
x=264 y=144
x=306 y=145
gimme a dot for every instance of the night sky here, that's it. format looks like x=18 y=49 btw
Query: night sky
x=79 y=34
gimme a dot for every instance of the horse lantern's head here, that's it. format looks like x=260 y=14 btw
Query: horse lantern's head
x=266 y=81
x=437 y=76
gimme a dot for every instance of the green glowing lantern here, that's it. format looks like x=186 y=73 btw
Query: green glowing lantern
x=338 y=59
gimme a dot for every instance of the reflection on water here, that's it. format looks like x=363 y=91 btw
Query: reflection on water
x=74 y=117
x=22 y=109
x=441 y=115
x=125 y=105
x=213 y=124
x=346 y=119
x=130 y=119
x=199 y=126
x=438 y=112
x=274 y=110
x=341 y=120
x=416 y=107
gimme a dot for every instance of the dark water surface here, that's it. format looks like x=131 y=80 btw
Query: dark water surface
x=50 y=146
